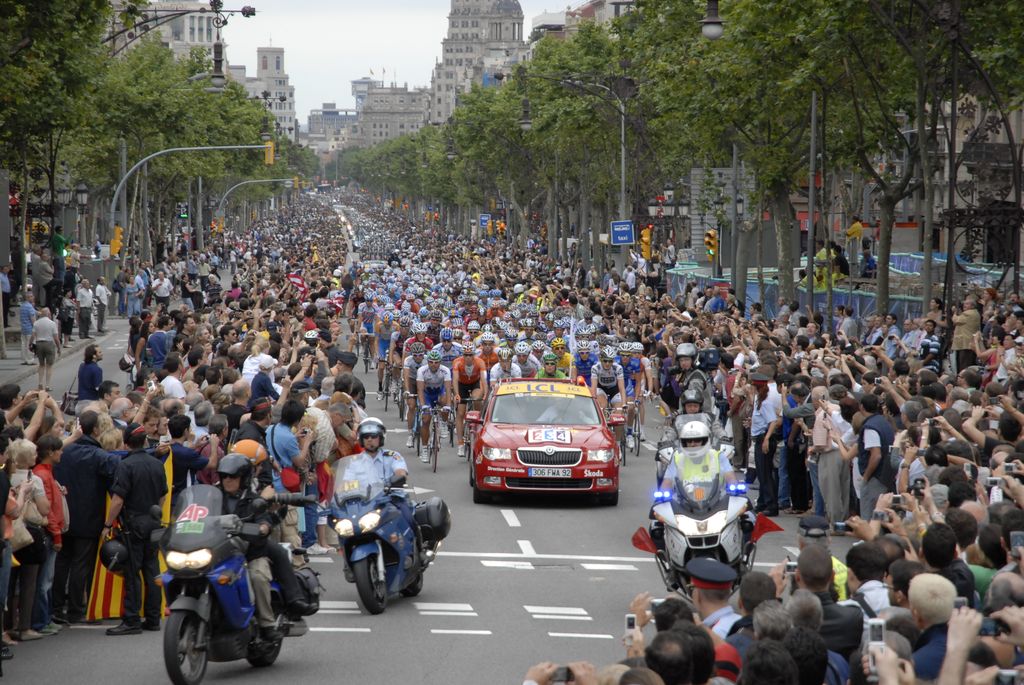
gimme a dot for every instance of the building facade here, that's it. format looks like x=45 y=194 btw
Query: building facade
x=389 y=112
x=484 y=37
x=271 y=84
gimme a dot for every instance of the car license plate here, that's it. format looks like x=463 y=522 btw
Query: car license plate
x=550 y=473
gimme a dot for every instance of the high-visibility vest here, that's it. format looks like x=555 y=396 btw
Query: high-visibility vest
x=705 y=470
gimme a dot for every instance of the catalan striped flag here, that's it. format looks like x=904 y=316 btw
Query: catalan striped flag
x=106 y=597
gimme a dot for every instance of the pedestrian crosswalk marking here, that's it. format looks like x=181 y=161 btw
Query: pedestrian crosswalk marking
x=520 y=565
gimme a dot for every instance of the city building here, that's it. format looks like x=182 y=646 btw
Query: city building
x=193 y=30
x=547 y=24
x=329 y=129
x=271 y=85
x=484 y=37
x=600 y=11
x=361 y=88
x=389 y=112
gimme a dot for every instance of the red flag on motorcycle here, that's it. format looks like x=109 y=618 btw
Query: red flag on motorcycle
x=643 y=542
x=764 y=525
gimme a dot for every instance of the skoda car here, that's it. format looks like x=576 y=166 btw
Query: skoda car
x=543 y=436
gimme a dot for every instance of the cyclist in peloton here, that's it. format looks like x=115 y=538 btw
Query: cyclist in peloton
x=468 y=374
x=449 y=350
x=550 y=369
x=410 y=369
x=606 y=380
x=433 y=384
x=634 y=378
x=528 y=364
x=505 y=368
x=383 y=328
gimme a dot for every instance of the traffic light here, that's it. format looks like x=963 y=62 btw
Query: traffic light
x=711 y=242
x=296 y=184
x=268 y=153
x=645 y=240
x=490 y=227
x=501 y=228
x=117 y=241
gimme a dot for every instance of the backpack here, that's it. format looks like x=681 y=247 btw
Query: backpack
x=309 y=584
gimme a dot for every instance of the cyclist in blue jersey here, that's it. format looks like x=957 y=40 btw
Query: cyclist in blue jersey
x=447 y=348
x=383 y=328
x=632 y=372
x=433 y=384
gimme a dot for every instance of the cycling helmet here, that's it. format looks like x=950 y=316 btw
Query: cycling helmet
x=436 y=315
x=695 y=431
x=114 y=556
x=456 y=322
x=389 y=307
x=405 y=321
x=387 y=317
x=487 y=337
x=419 y=327
x=522 y=347
x=526 y=323
x=417 y=348
x=539 y=346
x=487 y=328
x=473 y=326
x=686 y=350
x=406 y=308
x=370 y=427
x=468 y=347
x=608 y=353
x=446 y=334
x=561 y=323
x=692 y=397
x=558 y=342
x=625 y=348
x=433 y=356
x=235 y=465
x=584 y=349
x=312 y=335
x=504 y=354
x=550 y=358
x=638 y=347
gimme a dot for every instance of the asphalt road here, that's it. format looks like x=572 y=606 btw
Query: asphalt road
x=518 y=581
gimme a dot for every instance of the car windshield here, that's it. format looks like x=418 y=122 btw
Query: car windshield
x=563 y=410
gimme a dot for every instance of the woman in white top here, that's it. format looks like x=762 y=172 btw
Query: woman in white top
x=257 y=354
x=46 y=338
x=22 y=454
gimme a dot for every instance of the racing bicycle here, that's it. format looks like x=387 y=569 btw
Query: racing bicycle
x=368 y=351
x=635 y=426
x=621 y=438
x=387 y=387
x=467 y=429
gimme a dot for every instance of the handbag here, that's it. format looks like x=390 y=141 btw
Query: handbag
x=290 y=478
x=126 y=362
x=20 y=537
x=70 y=399
x=34 y=552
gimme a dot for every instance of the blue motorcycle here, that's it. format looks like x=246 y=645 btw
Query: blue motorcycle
x=208 y=590
x=384 y=555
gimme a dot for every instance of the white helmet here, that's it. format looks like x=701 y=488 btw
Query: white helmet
x=695 y=430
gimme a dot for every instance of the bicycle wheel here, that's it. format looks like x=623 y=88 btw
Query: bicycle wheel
x=366 y=358
x=416 y=432
x=400 y=401
x=450 y=420
x=435 y=442
x=622 y=444
x=636 y=431
x=387 y=389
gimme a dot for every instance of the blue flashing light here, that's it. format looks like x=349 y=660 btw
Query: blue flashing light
x=662 y=495
x=736 y=488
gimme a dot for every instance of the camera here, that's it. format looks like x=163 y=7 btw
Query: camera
x=879 y=515
x=563 y=674
x=959 y=602
x=655 y=603
x=876 y=630
x=993 y=482
x=878 y=381
x=917 y=488
x=1012 y=467
x=897 y=500
x=790 y=567
x=990 y=627
x=841 y=527
x=1006 y=676
x=1016 y=542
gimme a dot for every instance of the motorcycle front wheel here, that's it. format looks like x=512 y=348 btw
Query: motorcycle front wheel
x=184 y=660
x=372 y=588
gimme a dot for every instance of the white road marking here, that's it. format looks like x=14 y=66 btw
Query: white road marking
x=526 y=547
x=562 y=557
x=321 y=560
x=792 y=550
x=337 y=604
x=438 y=631
x=419 y=491
x=650 y=446
x=565 y=611
x=338 y=611
x=448 y=613
x=339 y=630
x=610 y=567
x=562 y=618
x=521 y=565
x=441 y=606
x=510 y=518
x=598 y=636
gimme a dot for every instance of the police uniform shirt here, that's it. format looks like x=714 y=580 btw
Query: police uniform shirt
x=724 y=466
x=140 y=481
x=375 y=469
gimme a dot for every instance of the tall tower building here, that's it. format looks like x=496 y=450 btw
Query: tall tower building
x=484 y=37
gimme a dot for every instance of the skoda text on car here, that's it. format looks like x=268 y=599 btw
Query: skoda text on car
x=543 y=436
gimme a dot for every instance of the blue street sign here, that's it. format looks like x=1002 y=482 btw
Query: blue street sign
x=484 y=218
x=622 y=233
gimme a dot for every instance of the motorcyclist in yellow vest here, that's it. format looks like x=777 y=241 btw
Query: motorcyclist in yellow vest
x=814 y=530
x=694 y=460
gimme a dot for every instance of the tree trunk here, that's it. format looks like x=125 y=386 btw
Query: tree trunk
x=587 y=237
x=886 y=207
x=785 y=224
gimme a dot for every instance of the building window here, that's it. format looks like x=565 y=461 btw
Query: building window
x=192 y=29
x=495 y=30
x=263 y=63
x=465 y=24
x=209 y=29
x=277 y=63
x=476 y=24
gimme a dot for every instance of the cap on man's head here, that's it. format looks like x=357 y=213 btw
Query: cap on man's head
x=133 y=429
x=814 y=526
x=268 y=363
x=262 y=404
x=325 y=336
x=710 y=574
x=760 y=379
x=348 y=358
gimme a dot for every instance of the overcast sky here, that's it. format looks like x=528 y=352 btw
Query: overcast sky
x=328 y=43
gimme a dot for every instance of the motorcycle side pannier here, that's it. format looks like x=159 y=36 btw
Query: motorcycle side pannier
x=434 y=514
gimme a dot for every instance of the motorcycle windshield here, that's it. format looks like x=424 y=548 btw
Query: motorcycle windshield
x=197 y=519
x=699 y=492
x=352 y=489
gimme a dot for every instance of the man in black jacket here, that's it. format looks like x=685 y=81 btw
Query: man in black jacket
x=256 y=429
x=841 y=626
x=87 y=471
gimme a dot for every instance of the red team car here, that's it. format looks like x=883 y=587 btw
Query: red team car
x=543 y=436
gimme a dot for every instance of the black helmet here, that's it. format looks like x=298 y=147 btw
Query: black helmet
x=371 y=427
x=114 y=556
x=235 y=465
x=691 y=396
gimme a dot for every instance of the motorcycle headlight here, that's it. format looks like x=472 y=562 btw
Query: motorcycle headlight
x=496 y=453
x=191 y=560
x=601 y=455
x=344 y=528
x=369 y=521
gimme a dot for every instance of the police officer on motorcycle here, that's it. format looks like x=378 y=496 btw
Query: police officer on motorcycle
x=264 y=558
x=378 y=465
x=693 y=404
x=695 y=460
